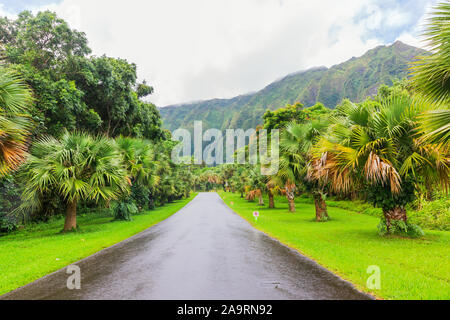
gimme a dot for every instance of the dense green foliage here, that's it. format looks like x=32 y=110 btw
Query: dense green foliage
x=86 y=141
x=390 y=149
x=355 y=79
x=75 y=168
x=376 y=145
x=93 y=142
x=369 y=151
x=280 y=118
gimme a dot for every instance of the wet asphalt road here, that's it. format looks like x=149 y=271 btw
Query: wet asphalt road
x=206 y=252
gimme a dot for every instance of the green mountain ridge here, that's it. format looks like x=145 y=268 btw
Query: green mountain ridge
x=354 y=79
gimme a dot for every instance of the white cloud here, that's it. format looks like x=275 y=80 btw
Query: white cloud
x=397 y=18
x=200 y=49
x=410 y=39
x=414 y=37
x=5 y=13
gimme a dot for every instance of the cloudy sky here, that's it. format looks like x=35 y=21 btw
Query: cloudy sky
x=202 y=49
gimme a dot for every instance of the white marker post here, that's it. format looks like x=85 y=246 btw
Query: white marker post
x=256 y=215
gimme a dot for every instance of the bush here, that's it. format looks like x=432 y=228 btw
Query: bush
x=141 y=197
x=434 y=215
x=7 y=224
x=400 y=228
x=124 y=210
x=381 y=196
x=9 y=200
x=356 y=206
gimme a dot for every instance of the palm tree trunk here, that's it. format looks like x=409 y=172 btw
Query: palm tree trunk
x=151 y=203
x=290 y=195
x=397 y=213
x=71 y=216
x=321 y=208
x=261 y=199
x=271 y=200
x=429 y=191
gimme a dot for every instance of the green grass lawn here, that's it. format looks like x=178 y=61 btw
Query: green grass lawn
x=38 y=250
x=349 y=244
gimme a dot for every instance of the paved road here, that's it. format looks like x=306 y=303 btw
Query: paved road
x=205 y=251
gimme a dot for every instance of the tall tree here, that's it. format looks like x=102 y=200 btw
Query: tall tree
x=42 y=41
x=73 y=91
x=280 y=118
x=296 y=143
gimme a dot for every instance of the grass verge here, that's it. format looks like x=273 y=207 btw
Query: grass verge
x=411 y=269
x=38 y=250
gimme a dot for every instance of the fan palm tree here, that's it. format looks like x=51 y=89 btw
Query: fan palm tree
x=76 y=167
x=290 y=164
x=286 y=178
x=240 y=179
x=377 y=146
x=295 y=148
x=225 y=173
x=15 y=98
x=138 y=157
x=140 y=161
x=166 y=187
x=258 y=183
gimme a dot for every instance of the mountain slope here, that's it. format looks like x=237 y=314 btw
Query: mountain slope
x=355 y=79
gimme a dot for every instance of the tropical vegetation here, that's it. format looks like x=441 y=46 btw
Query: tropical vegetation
x=75 y=130
x=78 y=139
x=390 y=150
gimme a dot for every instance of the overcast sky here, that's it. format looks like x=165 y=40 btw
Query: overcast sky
x=200 y=49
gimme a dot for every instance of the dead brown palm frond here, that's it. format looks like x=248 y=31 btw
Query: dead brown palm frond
x=327 y=170
x=341 y=179
x=380 y=170
x=15 y=124
x=12 y=154
x=252 y=195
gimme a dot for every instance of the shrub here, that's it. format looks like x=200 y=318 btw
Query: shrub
x=433 y=215
x=400 y=228
x=141 y=197
x=124 y=210
x=356 y=206
x=9 y=200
